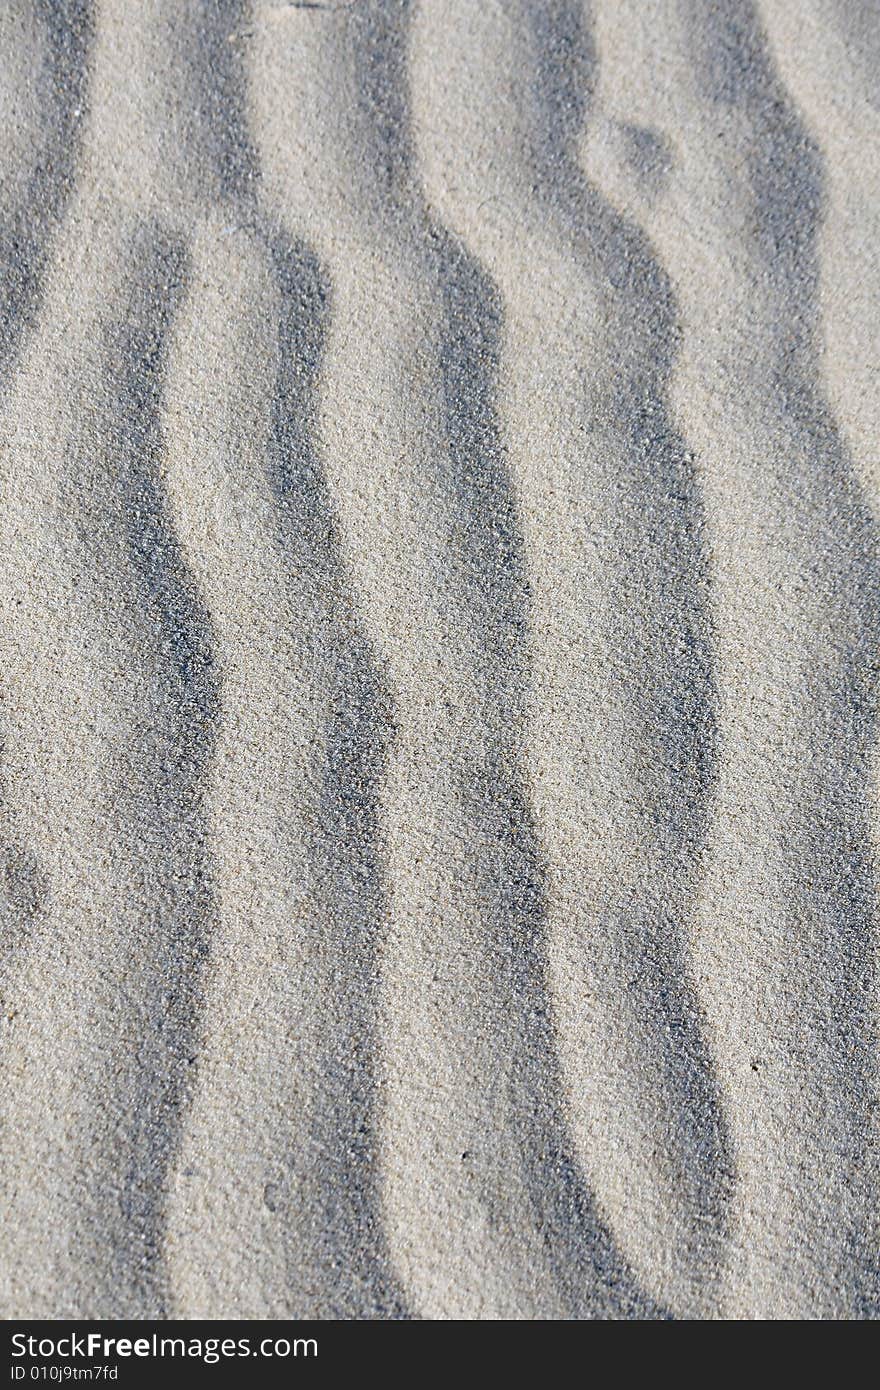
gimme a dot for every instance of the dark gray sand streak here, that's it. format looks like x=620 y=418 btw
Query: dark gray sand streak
x=621 y=734
x=106 y=729
x=286 y=1074
x=42 y=90
x=588 y=1265
x=108 y=722
x=786 y=942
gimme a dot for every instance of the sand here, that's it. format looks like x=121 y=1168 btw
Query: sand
x=439 y=659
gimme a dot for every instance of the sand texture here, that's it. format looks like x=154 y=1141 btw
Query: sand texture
x=439 y=658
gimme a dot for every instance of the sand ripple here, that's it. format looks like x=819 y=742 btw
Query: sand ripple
x=440 y=616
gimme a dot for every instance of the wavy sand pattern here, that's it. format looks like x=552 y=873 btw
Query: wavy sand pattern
x=440 y=645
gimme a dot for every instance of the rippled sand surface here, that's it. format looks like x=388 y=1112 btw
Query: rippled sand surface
x=439 y=659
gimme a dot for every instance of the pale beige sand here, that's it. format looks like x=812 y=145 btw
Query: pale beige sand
x=440 y=652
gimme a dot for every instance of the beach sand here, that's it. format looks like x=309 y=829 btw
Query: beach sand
x=439 y=659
